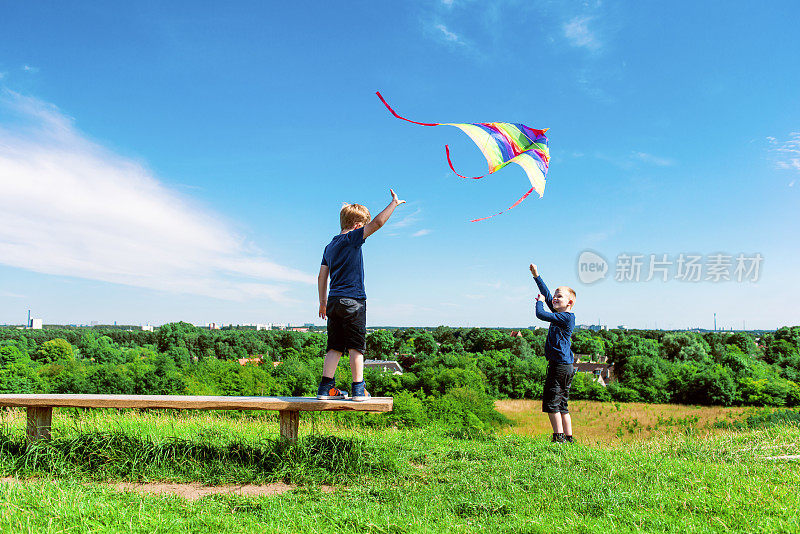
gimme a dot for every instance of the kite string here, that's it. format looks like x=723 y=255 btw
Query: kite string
x=505 y=210
x=450 y=162
x=403 y=118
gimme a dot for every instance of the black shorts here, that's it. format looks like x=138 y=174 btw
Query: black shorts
x=347 y=324
x=556 y=387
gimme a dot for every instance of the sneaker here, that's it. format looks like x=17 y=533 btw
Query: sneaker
x=360 y=392
x=330 y=393
x=558 y=438
x=568 y=439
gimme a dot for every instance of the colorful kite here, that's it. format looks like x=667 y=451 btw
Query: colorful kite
x=503 y=143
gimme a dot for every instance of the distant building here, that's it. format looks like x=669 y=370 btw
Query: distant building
x=255 y=359
x=601 y=372
x=386 y=366
x=622 y=327
x=147 y=328
x=593 y=327
x=213 y=326
x=35 y=324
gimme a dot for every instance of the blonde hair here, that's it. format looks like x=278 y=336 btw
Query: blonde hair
x=353 y=214
x=570 y=290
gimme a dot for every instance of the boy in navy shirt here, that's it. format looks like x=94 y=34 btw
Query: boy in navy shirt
x=345 y=306
x=558 y=352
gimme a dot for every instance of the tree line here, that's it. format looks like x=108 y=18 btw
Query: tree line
x=714 y=368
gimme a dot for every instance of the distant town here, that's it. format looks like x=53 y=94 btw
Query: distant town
x=36 y=323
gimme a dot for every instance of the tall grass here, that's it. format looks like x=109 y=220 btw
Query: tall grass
x=390 y=480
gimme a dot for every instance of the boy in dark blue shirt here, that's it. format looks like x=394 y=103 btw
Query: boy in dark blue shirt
x=558 y=352
x=345 y=306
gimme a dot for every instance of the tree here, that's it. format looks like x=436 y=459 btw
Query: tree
x=380 y=344
x=425 y=344
x=55 y=350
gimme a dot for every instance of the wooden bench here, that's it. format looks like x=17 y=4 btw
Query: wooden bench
x=40 y=407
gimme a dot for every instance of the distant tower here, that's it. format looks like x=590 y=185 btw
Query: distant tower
x=29 y=319
x=715 y=322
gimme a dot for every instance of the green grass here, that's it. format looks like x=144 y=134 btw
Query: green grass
x=392 y=481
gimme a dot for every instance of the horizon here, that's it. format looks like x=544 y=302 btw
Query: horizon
x=161 y=163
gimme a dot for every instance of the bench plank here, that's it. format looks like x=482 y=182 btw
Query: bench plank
x=187 y=402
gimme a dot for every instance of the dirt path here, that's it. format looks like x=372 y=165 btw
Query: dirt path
x=193 y=490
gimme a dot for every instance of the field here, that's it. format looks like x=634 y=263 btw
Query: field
x=343 y=477
x=609 y=422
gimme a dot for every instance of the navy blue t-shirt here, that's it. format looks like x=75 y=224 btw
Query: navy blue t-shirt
x=346 y=263
x=558 y=346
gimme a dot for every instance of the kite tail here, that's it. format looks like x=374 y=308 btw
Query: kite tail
x=403 y=118
x=450 y=162
x=517 y=203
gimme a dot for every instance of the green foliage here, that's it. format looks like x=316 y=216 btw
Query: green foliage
x=650 y=366
x=55 y=350
x=380 y=344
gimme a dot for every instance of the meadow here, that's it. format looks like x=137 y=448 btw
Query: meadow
x=345 y=476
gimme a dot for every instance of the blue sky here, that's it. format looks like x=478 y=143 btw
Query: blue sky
x=188 y=161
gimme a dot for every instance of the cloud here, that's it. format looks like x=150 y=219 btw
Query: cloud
x=71 y=207
x=787 y=152
x=447 y=34
x=654 y=160
x=406 y=219
x=8 y=294
x=28 y=68
x=420 y=233
x=578 y=34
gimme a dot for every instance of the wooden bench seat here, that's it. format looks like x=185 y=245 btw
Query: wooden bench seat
x=40 y=407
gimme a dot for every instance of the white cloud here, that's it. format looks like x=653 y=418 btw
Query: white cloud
x=654 y=160
x=71 y=207
x=420 y=233
x=28 y=68
x=406 y=219
x=448 y=35
x=447 y=2
x=788 y=152
x=578 y=34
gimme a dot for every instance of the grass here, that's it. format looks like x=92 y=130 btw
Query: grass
x=394 y=481
x=611 y=422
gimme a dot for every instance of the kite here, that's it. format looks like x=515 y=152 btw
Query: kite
x=502 y=143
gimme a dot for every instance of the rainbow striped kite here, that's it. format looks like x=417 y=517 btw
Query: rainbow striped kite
x=503 y=143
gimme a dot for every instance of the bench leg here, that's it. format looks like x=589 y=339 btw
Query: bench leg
x=39 y=420
x=290 y=421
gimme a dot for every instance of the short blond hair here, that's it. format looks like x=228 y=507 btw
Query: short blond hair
x=353 y=214
x=569 y=290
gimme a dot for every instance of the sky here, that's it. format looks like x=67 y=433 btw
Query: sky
x=187 y=161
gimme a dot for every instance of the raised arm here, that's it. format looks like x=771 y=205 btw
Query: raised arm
x=548 y=298
x=559 y=318
x=322 y=286
x=375 y=224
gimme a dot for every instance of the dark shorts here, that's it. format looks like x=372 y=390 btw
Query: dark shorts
x=556 y=387
x=347 y=324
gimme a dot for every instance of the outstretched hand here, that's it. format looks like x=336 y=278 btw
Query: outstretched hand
x=395 y=199
x=540 y=298
x=534 y=270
